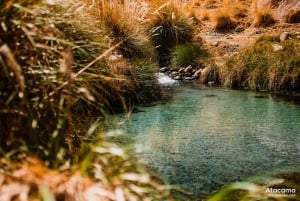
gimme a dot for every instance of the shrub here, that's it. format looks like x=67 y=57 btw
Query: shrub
x=169 y=27
x=54 y=79
x=293 y=16
x=264 y=18
x=188 y=54
x=127 y=22
x=223 y=21
x=239 y=12
x=261 y=68
x=51 y=78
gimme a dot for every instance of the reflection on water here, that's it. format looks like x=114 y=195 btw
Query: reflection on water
x=205 y=138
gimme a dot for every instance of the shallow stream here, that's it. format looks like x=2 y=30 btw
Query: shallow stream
x=205 y=138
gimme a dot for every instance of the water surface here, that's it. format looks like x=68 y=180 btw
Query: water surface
x=203 y=139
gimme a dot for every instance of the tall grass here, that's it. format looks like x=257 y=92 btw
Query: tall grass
x=263 y=68
x=55 y=78
x=169 y=27
x=264 y=18
x=223 y=20
x=293 y=16
x=127 y=20
x=50 y=70
x=188 y=54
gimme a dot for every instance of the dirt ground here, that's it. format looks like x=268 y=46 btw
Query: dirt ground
x=225 y=44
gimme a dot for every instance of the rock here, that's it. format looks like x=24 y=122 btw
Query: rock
x=188 y=69
x=277 y=47
x=163 y=69
x=198 y=73
x=239 y=29
x=174 y=73
x=189 y=78
x=177 y=78
x=211 y=83
x=284 y=36
x=181 y=70
x=174 y=69
x=216 y=44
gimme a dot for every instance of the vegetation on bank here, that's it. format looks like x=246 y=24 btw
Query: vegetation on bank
x=269 y=65
x=65 y=66
x=62 y=71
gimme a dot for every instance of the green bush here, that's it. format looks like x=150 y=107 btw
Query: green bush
x=263 y=68
x=188 y=54
x=169 y=27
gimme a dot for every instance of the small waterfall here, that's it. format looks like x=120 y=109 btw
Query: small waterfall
x=165 y=79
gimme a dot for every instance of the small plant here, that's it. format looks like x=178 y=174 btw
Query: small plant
x=188 y=54
x=223 y=21
x=127 y=22
x=293 y=16
x=262 y=68
x=264 y=18
x=169 y=27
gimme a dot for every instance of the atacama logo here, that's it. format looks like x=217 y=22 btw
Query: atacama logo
x=285 y=191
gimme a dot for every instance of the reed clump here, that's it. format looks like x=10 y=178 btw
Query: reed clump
x=293 y=16
x=169 y=27
x=268 y=65
x=127 y=21
x=223 y=21
x=58 y=80
x=188 y=54
x=264 y=18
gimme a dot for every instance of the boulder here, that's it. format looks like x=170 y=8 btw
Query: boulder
x=284 y=36
x=188 y=69
x=277 y=47
x=164 y=69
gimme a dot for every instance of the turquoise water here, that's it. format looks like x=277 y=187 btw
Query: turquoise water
x=205 y=138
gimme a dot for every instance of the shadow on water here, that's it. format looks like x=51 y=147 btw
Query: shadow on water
x=205 y=138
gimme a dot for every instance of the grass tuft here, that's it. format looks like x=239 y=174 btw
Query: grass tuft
x=223 y=21
x=264 y=18
x=188 y=54
x=265 y=68
x=127 y=21
x=293 y=16
x=169 y=27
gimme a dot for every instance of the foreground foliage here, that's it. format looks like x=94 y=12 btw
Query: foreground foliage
x=58 y=80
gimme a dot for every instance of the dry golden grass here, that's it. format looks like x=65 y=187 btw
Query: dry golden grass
x=222 y=20
x=239 y=11
x=210 y=4
x=293 y=16
x=263 y=18
x=205 y=16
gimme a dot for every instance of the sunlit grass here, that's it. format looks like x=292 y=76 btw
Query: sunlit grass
x=188 y=54
x=169 y=27
x=128 y=23
x=264 y=18
x=269 y=65
x=223 y=21
x=293 y=16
